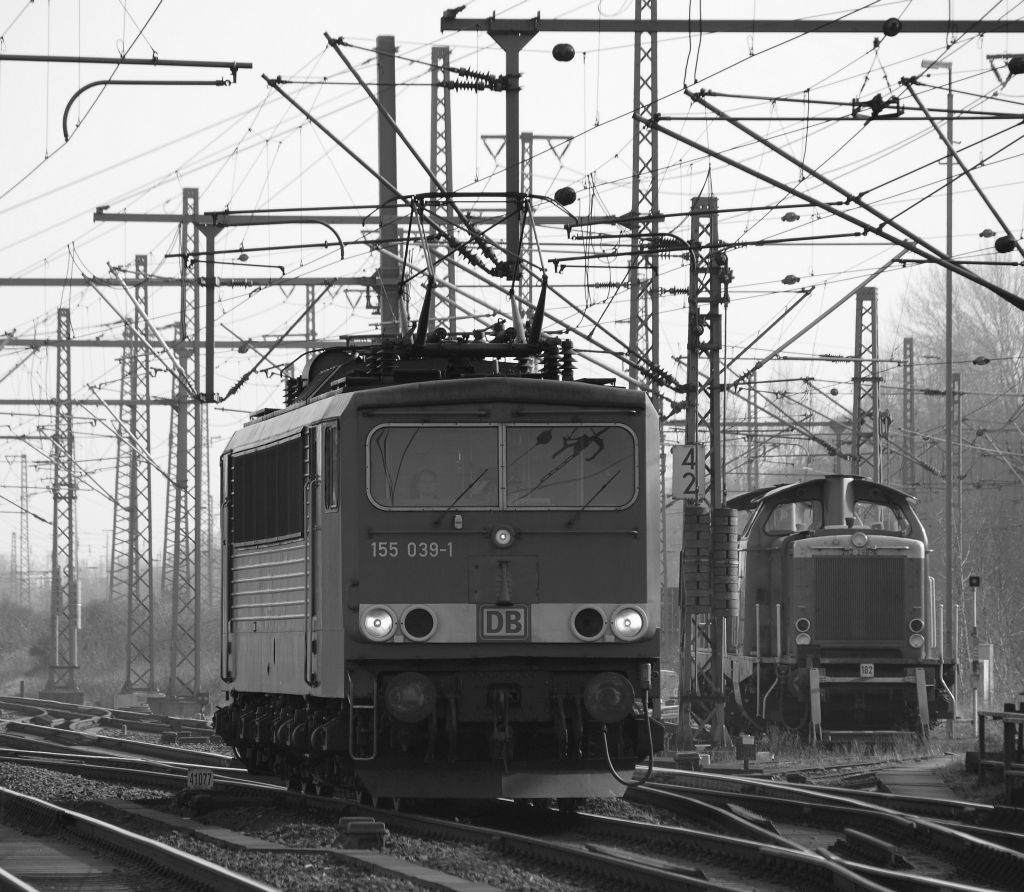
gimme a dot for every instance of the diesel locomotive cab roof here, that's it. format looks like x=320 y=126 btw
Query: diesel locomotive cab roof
x=753 y=498
x=830 y=503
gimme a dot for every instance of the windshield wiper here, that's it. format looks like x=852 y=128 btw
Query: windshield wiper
x=588 y=502
x=472 y=483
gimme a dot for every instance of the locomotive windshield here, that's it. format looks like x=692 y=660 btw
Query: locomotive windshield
x=413 y=466
x=792 y=517
x=570 y=467
x=501 y=465
x=881 y=516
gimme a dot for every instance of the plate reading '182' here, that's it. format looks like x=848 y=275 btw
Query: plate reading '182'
x=867 y=670
x=503 y=623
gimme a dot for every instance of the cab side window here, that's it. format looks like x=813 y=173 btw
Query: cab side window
x=330 y=467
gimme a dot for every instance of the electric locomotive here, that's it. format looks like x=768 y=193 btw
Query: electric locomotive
x=440 y=575
x=840 y=627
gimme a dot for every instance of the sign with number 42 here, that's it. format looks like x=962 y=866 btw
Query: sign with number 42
x=688 y=471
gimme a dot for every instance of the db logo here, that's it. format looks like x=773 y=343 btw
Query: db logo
x=504 y=623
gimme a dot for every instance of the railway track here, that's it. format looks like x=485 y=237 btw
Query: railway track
x=45 y=846
x=734 y=833
x=920 y=848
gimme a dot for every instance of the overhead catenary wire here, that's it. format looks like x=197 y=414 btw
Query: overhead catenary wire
x=609 y=304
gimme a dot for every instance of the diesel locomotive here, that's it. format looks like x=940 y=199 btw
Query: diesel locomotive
x=440 y=575
x=840 y=630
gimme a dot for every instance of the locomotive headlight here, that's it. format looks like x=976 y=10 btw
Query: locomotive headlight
x=378 y=623
x=410 y=697
x=916 y=640
x=608 y=697
x=803 y=630
x=502 y=537
x=627 y=623
x=859 y=540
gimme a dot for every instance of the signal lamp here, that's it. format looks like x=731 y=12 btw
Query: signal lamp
x=587 y=623
x=803 y=638
x=608 y=697
x=803 y=624
x=410 y=697
x=916 y=640
x=627 y=623
x=916 y=624
x=378 y=623
x=563 y=52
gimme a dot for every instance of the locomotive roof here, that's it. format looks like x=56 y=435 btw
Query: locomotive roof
x=271 y=425
x=755 y=497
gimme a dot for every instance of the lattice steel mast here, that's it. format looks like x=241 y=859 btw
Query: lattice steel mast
x=702 y=680
x=131 y=562
x=909 y=422
x=183 y=682
x=25 y=542
x=866 y=450
x=643 y=271
x=441 y=155
x=64 y=594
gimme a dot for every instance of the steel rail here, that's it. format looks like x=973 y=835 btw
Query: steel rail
x=154 y=855
x=982 y=856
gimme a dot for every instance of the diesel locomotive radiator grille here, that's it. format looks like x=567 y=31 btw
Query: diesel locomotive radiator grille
x=859 y=599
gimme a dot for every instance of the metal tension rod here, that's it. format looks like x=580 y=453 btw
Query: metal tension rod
x=451 y=21
x=913 y=241
x=909 y=82
x=233 y=67
x=336 y=44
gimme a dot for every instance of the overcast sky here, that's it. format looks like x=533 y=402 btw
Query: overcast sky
x=135 y=147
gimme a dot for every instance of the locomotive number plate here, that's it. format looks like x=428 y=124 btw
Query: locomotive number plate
x=867 y=670
x=503 y=624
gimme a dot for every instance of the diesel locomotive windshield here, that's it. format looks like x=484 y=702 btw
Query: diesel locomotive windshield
x=508 y=466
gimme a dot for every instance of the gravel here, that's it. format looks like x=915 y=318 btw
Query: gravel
x=301 y=872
